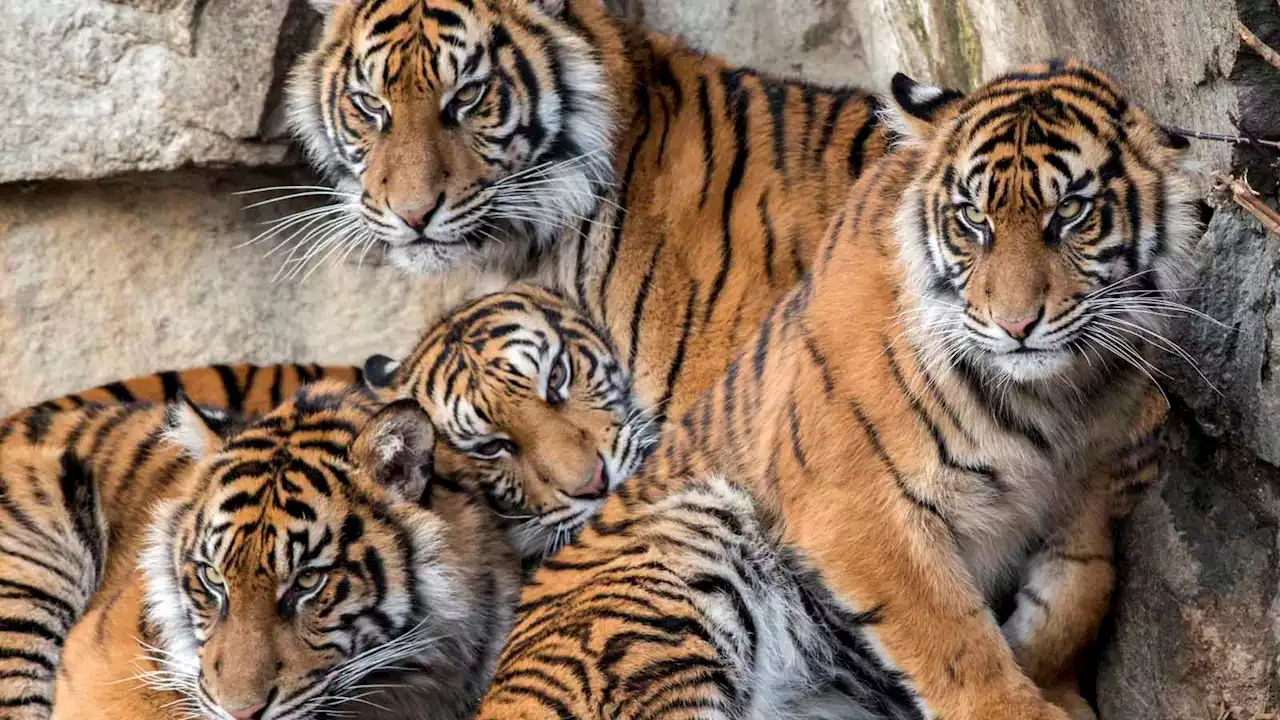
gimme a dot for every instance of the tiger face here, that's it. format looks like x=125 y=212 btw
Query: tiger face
x=455 y=129
x=533 y=411
x=1048 y=222
x=301 y=561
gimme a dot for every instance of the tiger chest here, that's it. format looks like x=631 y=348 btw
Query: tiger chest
x=1000 y=516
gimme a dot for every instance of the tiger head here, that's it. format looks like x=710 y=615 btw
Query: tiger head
x=1046 y=223
x=532 y=408
x=459 y=130
x=301 y=558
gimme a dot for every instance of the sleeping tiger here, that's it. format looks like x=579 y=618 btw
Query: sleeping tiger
x=951 y=408
x=283 y=569
x=533 y=411
x=241 y=389
x=672 y=195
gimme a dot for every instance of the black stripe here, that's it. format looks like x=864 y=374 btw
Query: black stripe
x=231 y=386
x=677 y=362
x=637 y=311
x=120 y=392
x=872 y=434
x=172 y=384
x=736 y=99
x=708 y=139
x=829 y=126
x=770 y=238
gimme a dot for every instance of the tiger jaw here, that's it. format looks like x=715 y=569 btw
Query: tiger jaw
x=1026 y=365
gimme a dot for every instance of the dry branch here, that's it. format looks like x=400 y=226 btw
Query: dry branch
x=1256 y=44
x=1233 y=139
x=1247 y=198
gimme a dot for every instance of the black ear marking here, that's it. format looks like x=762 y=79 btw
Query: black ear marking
x=380 y=372
x=919 y=100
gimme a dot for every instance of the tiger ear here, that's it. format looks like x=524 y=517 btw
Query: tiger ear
x=397 y=449
x=199 y=431
x=919 y=105
x=380 y=372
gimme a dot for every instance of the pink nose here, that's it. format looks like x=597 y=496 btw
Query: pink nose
x=595 y=487
x=419 y=217
x=1017 y=329
x=246 y=713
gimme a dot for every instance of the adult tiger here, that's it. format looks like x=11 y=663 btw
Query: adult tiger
x=533 y=411
x=242 y=389
x=671 y=194
x=951 y=408
x=284 y=564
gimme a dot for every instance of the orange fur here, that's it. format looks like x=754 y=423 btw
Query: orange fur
x=923 y=475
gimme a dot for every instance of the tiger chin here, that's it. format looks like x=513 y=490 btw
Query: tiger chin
x=303 y=566
x=533 y=409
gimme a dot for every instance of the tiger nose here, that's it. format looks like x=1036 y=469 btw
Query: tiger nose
x=247 y=713
x=1020 y=328
x=595 y=487
x=419 y=217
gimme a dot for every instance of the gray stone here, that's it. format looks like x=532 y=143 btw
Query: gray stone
x=127 y=277
x=94 y=88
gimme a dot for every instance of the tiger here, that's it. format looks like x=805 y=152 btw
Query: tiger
x=672 y=195
x=952 y=408
x=533 y=411
x=168 y=560
x=241 y=389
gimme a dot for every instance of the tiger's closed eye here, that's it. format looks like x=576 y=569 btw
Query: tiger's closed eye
x=493 y=449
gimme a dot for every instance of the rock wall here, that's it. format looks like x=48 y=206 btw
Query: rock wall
x=108 y=273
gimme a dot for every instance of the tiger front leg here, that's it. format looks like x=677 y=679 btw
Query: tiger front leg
x=931 y=621
x=1065 y=592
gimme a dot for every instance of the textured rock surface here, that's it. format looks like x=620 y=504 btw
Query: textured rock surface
x=120 y=278
x=103 y=280
x=93 y=88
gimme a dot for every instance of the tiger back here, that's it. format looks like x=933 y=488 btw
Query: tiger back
x=244 y=389
x=271 y=572
x=671 y=194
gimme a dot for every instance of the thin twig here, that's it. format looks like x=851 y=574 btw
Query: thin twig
x=1264 y=50
x=1247 y=198
x=1233 y=139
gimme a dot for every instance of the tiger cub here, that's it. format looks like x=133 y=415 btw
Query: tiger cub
x=533 y=409
x=950 y=409
x=160 y=562
x=671 y=194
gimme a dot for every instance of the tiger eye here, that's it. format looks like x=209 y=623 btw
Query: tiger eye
x=308 y=580
x=467 y=95
x=974 y=216
x=210 y=575
x=1070 y=208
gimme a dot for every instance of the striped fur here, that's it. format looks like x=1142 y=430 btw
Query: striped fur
x=243 y=389
x=922 y=470
x=675 y=203
x=534 y=411
x=290 y=563
x=690 y=607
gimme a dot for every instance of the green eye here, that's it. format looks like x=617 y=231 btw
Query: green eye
x=973 y=216
x=1071 y=208
x=210 y=576
x=558 y=381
